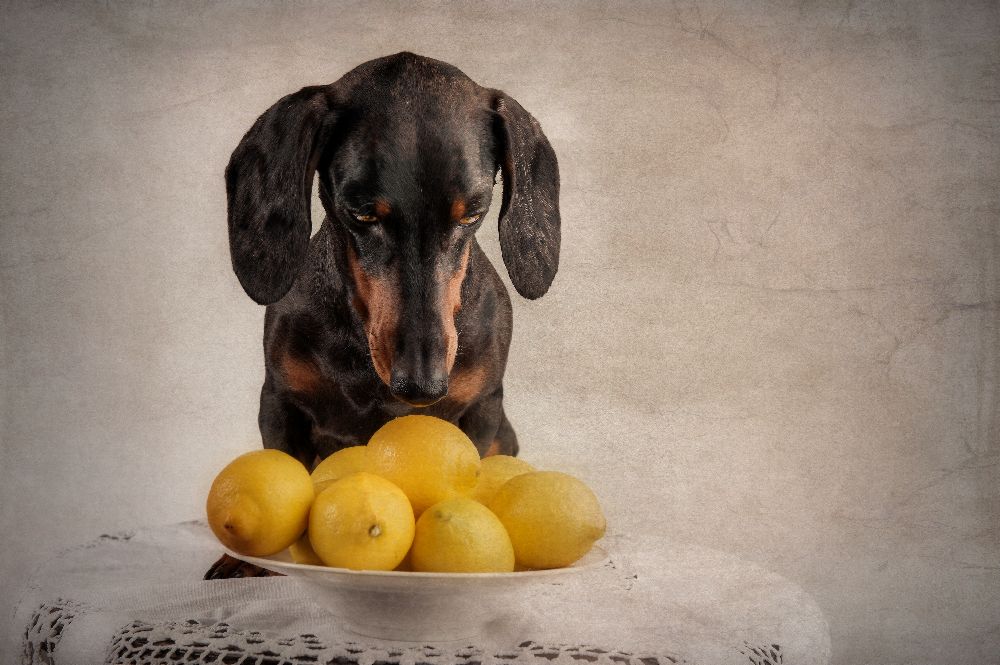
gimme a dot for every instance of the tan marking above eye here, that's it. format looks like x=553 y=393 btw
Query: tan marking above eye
x=458 y=209
x=382 y=208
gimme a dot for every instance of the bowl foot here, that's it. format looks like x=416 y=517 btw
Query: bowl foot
x=414 y=620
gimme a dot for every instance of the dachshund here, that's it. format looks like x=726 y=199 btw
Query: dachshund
x=392 y=307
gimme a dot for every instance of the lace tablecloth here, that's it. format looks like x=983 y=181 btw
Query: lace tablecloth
x=138 y=598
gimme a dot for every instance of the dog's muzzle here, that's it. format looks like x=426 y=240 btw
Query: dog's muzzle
x=418 y=394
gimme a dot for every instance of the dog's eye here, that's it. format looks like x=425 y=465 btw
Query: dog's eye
x=365 y=219
x=471 y=219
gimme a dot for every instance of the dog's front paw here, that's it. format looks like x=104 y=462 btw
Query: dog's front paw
x=228 y=568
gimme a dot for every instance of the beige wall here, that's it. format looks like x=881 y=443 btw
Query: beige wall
x=774 y=331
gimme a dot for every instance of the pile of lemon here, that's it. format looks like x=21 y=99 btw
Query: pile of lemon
x=417 y=498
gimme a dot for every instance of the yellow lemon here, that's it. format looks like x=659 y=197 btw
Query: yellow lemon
x=303 y=552
x=494 y=472
x=461 y=536
x=406 y=565
x=259 y=503
x=342 y=463
x=362 y=522
x=428 y=458
x=553 y=518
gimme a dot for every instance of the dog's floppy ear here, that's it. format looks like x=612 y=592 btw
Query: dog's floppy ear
x=269 y=186
x=529 y=214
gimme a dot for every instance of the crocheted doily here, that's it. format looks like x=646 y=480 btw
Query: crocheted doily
x=138 y=598
x=196 y=643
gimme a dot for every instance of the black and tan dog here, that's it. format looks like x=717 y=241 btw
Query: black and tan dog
x=392 y=307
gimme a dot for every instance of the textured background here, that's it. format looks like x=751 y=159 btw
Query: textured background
x=775 y=329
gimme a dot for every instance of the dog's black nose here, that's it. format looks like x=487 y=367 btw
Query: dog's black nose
x=422 y=393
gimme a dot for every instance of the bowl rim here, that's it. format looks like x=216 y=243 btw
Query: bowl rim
x=597 y=555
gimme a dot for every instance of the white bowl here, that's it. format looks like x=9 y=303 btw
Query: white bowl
x=417 y=607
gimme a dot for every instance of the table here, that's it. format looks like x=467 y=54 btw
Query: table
x=138 y=597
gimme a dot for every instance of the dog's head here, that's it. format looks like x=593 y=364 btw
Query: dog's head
x=407 y=150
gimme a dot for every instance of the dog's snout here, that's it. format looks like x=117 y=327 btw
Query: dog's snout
x=419 y=393
x=421 y=362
